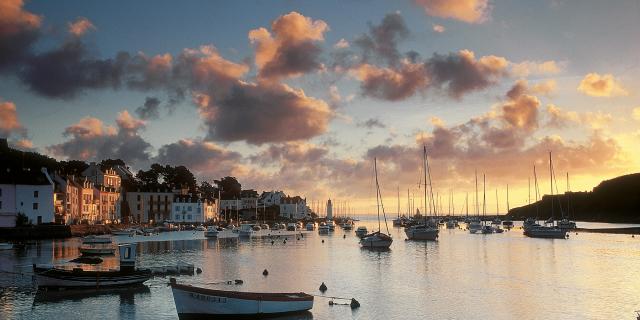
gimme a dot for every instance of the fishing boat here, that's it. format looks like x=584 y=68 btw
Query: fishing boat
x=487 y=230
x=347 y=225
x=361 y=231
x=475 y=226
x=451 y=224
x=311 y=226
x=331 y=225
x=197 y=302
x=377 y=239
x=96 y=239
x=6 y=246
x=128 y=275
x=425 y=231
x=92 y=250
x=212 y=232
x=566 y=224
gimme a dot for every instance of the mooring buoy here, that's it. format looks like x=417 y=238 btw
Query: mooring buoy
x=265 y=272
x=198 y=271
x=354 y=303
x=323 y=287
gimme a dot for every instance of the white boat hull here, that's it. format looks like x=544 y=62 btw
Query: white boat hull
x=376 y=241
x=201 y=304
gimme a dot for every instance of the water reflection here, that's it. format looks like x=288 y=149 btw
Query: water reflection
x=126 y=295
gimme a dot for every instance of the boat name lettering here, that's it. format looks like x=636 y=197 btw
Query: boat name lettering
x=208 y=298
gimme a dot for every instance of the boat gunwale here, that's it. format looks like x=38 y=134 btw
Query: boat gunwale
x=258 y=296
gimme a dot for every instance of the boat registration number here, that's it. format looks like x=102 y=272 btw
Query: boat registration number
x=208 y=298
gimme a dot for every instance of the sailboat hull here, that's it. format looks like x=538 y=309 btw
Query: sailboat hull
x=421 y=233
x=376 y=240
x=545 y=232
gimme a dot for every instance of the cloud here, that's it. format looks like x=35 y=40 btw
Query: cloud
x=389 y=83
x=205 y=159
x=9 y=122
x=459 y=73
x=342 y=44
x=292 y=49
x=382 y=40
x=438 y=28
x=372 y=123
x=263 y=112
x=74 y=69
x=19 y=29
x=537 y=68
x=635 y=113
x=150 y=109
x=22 y=144
x=470 y=11
x=81 y=26
x=559 y=118
x=596 y=85
x=90 y=139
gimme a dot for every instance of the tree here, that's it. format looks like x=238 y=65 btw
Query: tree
x=148 y=178
x=208 y=191
x=22 y=220
x=110 y=163
x=73 y=167
x=229 y=187
x=249 y=193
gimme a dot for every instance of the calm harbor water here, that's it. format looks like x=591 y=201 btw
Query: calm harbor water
x=461 y=276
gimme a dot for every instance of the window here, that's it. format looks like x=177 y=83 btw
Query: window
x=35 y=206
x=189 y=217
x=0 y=192
x=177 y=217
x=35 y=194
x=0 y=204
x=138 y=206
x=189 y=209
x=138 y=197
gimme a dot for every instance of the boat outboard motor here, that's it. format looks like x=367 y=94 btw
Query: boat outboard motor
x=127 y=256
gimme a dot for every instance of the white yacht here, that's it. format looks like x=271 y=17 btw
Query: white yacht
x=212 y=232
x=246 y=230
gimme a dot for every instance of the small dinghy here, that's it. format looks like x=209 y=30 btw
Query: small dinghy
x=196 y=302
x=96 y=239
x=50 y=277
x=96 y=250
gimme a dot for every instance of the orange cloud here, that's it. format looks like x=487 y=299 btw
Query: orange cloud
x=470 y=11
x=526 y=68
x=291 y=50
x=13 y=19
x=635 y=113
x=391 y=83
x=596 y=85
x=81 y=26
x=9 y=122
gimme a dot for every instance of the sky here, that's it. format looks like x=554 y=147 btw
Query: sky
x=301 y=96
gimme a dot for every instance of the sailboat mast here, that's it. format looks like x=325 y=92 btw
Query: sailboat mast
x=551 y=179
x=375 y=170
x=477 y=206
x=497 y=206
x=535 y=180
x=424 y=163
x=466 y=205
x=507 y=198
x=484 y=197
x=398 y=202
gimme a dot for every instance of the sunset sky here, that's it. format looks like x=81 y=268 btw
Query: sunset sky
x=301 y=96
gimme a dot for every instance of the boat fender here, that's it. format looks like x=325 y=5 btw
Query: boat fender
x=238 y=281
x=323 y=287
x=198 y=271
x=265 y=272
x=354 y=303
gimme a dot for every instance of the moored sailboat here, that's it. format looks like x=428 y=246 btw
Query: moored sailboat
x=377 y=239
x=548 y=230
x=425 y=231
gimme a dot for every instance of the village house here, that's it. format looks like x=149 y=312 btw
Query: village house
x=149 y=205
x=193 y=209
x=29 y=192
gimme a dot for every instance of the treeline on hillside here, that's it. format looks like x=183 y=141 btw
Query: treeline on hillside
x=156 y=177
x=615 y=200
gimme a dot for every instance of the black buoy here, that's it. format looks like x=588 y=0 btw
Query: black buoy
x=301 y=235
x=354 y=303
x=238 y=281
x=344 y=236
x=297 y=239
x=198 y=271
x=272 y=242
x=323 y=287
x=633 y=236
x=265 y=272
x=331 y=302
x=285 y=241
x=322 y=240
